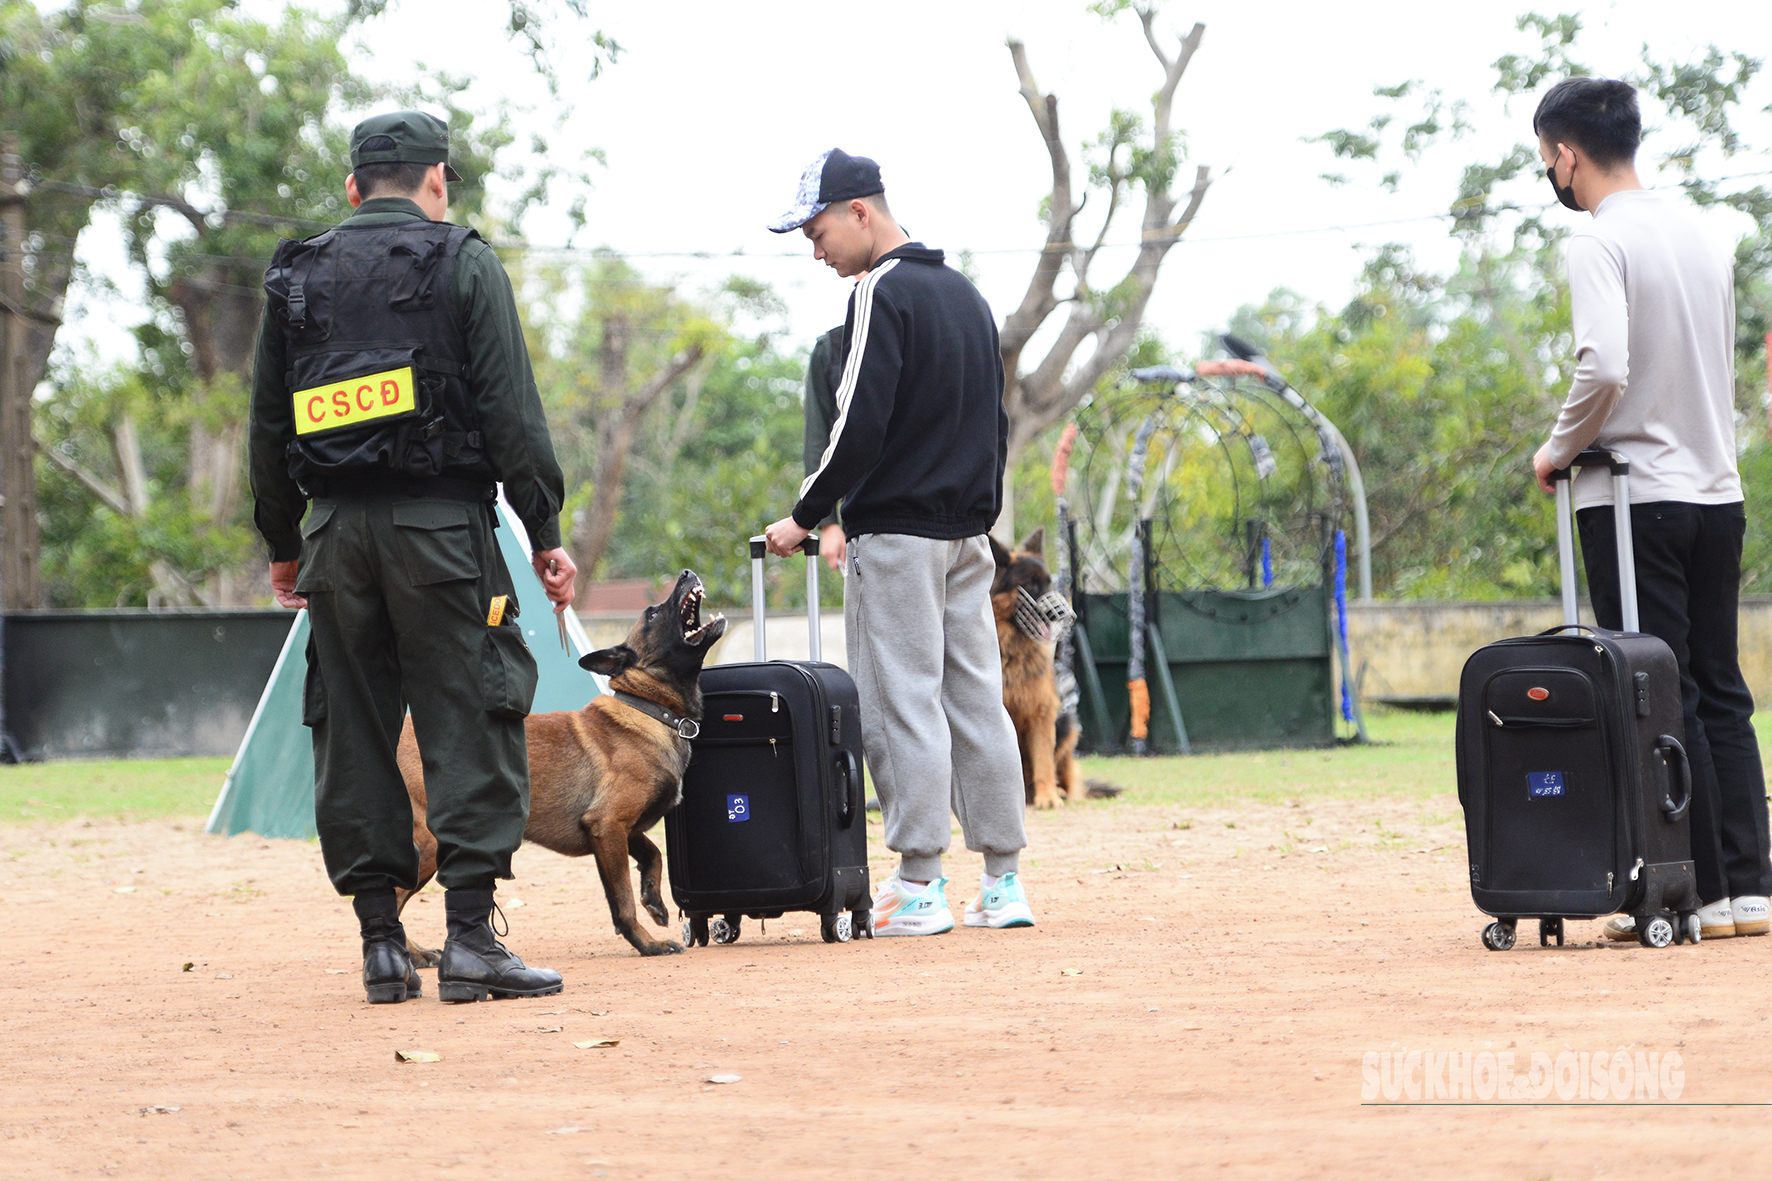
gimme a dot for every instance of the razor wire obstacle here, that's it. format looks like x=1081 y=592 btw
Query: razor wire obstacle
x=1201 y=512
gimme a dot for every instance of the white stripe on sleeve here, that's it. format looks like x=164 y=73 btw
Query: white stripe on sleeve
x=864 y=310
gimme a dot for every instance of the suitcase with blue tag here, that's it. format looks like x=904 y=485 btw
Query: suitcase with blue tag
x=772 y=817
x=1571 y=767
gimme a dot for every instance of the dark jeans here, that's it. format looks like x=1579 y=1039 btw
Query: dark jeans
x=1688 y=583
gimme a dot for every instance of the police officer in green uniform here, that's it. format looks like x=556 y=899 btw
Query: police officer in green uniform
x=392 y=388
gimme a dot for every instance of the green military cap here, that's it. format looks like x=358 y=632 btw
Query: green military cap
x=402 y=137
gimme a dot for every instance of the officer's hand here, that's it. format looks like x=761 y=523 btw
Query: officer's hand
x=785 y=536
x=560 y=580
x=830 y=546
x=283 y=585
x=1542 y=467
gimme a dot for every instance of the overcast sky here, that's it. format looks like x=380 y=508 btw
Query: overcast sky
x=715 y=107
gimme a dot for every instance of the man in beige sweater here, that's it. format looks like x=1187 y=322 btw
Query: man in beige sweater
x=1653 y=302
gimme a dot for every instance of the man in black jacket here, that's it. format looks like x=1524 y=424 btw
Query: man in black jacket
x=916 y=454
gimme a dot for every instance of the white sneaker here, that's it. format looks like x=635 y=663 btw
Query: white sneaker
x=896 y=910
x=1002 y=905
x=1717 y=921
x=1753 y=915
x=1620 y=927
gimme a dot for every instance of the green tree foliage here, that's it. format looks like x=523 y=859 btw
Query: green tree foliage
x=212 y=134
x=696 y=504
x=1443 y=401
x=1445 y=387
x=679 y=437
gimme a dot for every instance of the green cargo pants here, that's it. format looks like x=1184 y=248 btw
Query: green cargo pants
x=398 y=592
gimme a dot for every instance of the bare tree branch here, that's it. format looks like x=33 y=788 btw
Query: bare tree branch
x=1038 y=302
x=1037 y=397
x=1147 y=19
x=93 y=483
x=129 y=462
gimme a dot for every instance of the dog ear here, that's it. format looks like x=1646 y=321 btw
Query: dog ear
x=610 y=661
x=999 y=553
x=1033 y=541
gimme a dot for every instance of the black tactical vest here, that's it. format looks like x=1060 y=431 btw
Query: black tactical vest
x=376 y=363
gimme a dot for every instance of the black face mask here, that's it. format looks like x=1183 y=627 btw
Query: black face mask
x=1565 y=193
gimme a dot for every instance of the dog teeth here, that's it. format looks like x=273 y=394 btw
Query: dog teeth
x=696 y=636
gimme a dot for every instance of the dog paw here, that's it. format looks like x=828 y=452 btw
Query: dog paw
x=423 y=957
x=1044 y=802
x=663 y=947
x=659 y=914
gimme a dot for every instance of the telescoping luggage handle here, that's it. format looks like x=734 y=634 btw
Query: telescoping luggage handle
x=1627 y=562
x=759 y=548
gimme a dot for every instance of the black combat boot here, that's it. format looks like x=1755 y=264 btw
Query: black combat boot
x=475 y=964
x=388 y=975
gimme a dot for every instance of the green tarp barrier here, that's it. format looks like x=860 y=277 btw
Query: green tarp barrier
x=1251 y=669
x=270 y=788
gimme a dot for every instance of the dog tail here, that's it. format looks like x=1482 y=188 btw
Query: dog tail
x=1101 y=789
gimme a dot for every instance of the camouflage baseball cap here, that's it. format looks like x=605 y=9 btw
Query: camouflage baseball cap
x=834 y=176
x=402 y=137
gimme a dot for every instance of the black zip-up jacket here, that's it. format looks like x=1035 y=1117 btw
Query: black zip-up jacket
x=920 y=436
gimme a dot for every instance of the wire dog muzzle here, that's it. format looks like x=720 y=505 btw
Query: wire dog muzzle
x=1046 y=618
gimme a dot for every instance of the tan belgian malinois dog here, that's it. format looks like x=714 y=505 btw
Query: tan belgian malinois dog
x=601 y=776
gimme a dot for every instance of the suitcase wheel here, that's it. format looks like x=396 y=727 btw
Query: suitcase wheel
x=1549 y=929
x=1694 y=930
x=1499 y=936
x=862 y=923
x=1657 y=930
x=695 y=931
x=836 y=928
x=725 y=930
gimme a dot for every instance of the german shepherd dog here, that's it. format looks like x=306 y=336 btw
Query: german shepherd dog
x=1046 y=733
x=601 y=776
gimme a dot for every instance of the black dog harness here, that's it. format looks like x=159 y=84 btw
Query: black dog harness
x=685 y=727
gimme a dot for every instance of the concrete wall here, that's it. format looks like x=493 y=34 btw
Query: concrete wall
x=1416 y=649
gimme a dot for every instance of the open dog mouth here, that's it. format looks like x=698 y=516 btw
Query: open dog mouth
x=695 y=632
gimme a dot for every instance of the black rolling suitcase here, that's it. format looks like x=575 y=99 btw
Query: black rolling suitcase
x=1573 y=778
x=772 y=818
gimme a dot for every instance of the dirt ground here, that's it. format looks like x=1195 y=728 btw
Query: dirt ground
x=1197 y=999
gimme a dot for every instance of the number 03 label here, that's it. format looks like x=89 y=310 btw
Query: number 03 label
x=354 y=402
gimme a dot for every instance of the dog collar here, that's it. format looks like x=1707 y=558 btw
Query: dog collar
x=685 y=727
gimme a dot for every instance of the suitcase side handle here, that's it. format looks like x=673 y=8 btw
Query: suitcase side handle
x=1669 y=746
x=809 y=547
x=851 y=805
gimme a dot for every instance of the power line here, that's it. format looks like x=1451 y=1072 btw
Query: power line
x=739 y=253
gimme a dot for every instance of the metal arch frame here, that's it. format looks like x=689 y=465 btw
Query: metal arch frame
x=1260 y=367
x=1356 y=485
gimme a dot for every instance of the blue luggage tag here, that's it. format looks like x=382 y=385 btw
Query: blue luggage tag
x=1544 y=783
x=738 y=808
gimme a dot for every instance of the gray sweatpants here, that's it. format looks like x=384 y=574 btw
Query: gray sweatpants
x=923 y=650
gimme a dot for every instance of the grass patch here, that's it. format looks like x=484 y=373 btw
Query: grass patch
x=1411 y=755
x=133 y=789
